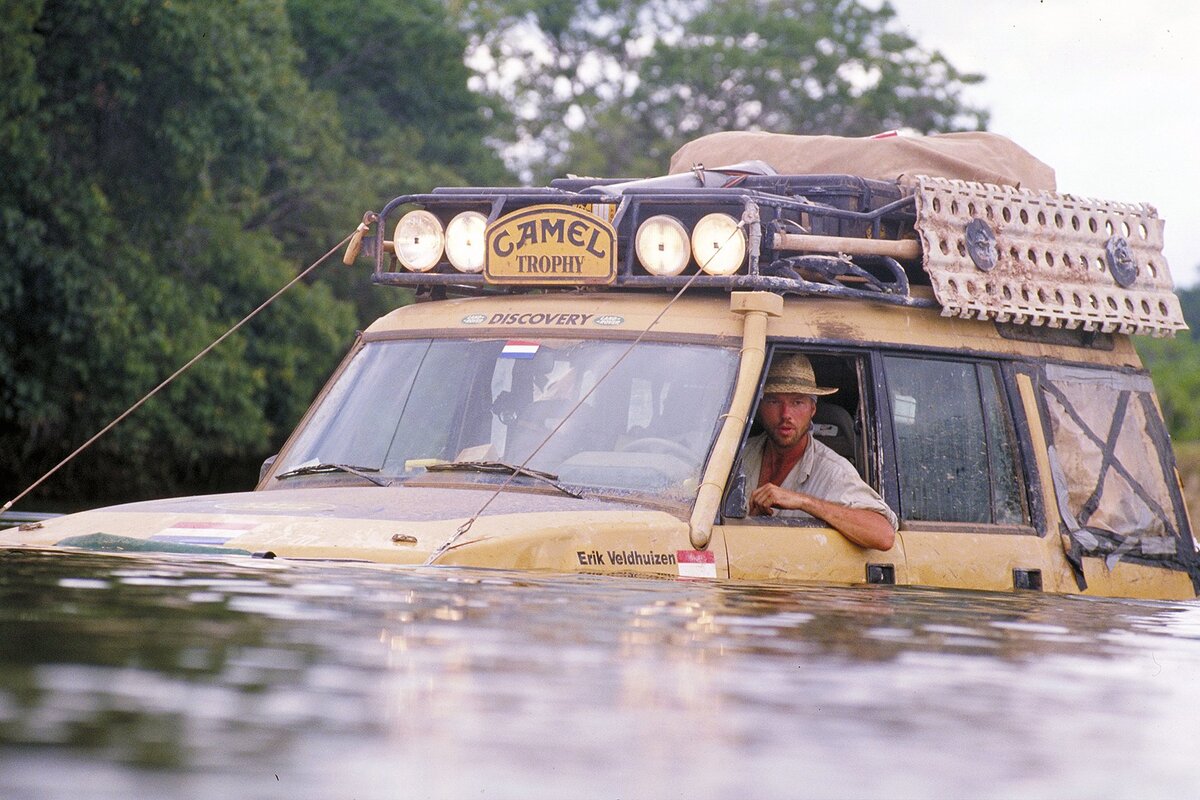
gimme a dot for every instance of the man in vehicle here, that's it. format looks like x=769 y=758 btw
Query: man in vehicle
x=792 y=475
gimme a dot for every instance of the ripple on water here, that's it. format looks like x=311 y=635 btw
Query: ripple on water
x=124 y=675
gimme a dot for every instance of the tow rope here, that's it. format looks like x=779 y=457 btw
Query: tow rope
x=355 y=238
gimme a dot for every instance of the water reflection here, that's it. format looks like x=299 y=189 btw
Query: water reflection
x=181 y=678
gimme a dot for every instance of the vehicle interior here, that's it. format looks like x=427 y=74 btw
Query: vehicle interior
x=838 y=422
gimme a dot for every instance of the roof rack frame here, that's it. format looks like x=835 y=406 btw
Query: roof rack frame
x=769 y=268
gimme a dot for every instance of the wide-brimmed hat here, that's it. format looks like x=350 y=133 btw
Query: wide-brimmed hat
x=793 y=374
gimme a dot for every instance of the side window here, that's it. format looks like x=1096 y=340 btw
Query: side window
x=1110 y=462
x=955 y=448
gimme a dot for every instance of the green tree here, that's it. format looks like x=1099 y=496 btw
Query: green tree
x=143 y=129
x=613 y=87
x=1189 y=301
x=169 y=164
x=1174 y=365
x=551 y=63
x=394 y=74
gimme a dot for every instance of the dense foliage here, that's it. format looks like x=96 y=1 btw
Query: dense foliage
x=169 y=163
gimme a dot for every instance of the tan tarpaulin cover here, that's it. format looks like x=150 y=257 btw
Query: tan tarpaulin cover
x=974 y=156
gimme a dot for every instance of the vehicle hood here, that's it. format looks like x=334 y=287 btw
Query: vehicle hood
x=402 y=524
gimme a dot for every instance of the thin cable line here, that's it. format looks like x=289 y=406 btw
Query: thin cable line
x=176 y=374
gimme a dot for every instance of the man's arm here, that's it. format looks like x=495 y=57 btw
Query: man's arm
x=862 y=526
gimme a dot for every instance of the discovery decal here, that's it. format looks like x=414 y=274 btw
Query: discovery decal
x=540 y=318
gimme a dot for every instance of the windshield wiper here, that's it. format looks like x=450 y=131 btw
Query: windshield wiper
x=501 y=467
x=312 y=469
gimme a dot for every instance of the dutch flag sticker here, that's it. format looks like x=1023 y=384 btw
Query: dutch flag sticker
x=515 y=349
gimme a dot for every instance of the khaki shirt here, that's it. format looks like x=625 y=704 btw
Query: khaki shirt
x=820 y=472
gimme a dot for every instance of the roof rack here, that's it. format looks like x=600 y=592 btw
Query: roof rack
x=1040 y=258
x=986 y=251
x=818 y=235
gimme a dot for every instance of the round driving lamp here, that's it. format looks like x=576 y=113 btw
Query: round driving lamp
x=464 y=241
x=419 y=240
x=662 y=245
x=719 y=244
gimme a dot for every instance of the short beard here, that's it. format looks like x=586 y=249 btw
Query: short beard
x=799 y=439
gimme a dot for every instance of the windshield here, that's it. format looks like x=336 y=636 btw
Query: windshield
x=646 y=426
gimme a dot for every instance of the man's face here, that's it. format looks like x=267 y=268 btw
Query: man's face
x=786 y=417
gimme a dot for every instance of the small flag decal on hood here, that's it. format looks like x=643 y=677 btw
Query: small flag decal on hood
x=203 y=532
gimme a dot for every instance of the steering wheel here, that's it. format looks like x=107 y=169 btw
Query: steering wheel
x=653 y=444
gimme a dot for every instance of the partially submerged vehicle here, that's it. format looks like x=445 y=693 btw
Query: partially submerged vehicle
x=574 y=386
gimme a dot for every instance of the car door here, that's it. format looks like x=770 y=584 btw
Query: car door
x=769 y=548
x=961 y=489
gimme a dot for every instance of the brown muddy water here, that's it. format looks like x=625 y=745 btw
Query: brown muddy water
x=148 y=677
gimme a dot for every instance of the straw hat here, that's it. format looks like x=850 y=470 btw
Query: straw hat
x=793 y=374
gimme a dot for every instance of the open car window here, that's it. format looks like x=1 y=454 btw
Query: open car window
x=838 y=423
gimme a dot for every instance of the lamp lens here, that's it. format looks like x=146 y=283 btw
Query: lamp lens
x=718 y=244
x=419 y=240
x=464 y=241
x=662 y=245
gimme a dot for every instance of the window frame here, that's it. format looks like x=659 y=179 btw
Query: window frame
x=1164 y=456
x=870 y=433
x=1010 y=399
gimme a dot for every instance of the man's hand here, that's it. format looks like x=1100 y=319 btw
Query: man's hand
x=862 y=526
x=768 y=497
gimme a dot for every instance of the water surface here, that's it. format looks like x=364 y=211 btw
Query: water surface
x=180 y=678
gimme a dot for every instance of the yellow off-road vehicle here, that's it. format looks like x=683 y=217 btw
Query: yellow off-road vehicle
x=576 y=381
